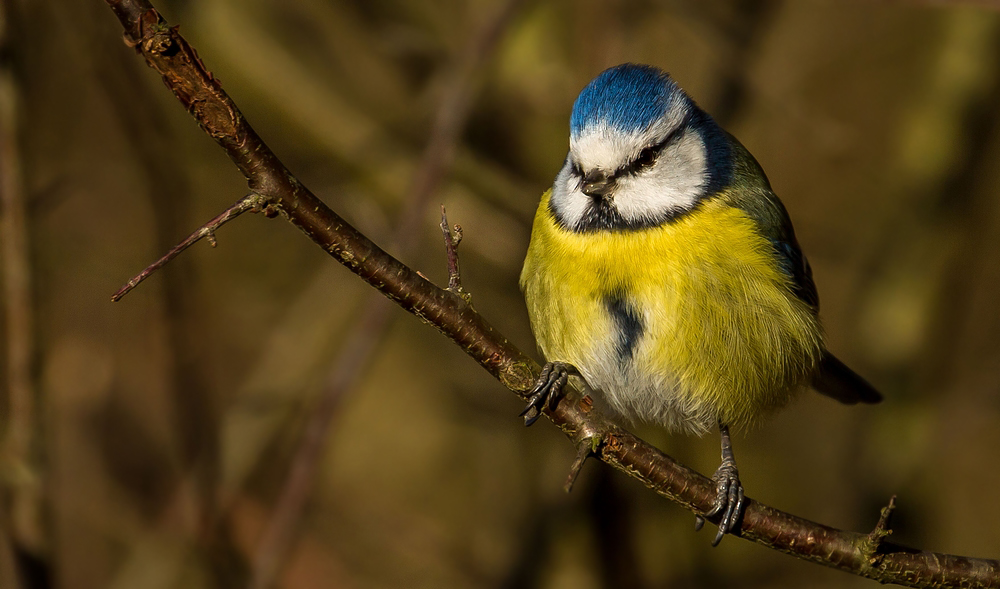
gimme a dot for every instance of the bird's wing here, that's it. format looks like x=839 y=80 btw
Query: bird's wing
x=794 y=263
x=750 y=191
x=771 y=220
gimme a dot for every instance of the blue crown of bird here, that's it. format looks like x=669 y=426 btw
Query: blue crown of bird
x=664 y=273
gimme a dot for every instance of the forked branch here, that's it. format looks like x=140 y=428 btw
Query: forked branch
x=191 y=82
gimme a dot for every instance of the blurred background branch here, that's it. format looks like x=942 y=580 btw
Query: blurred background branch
x=362 y=340
x=23 y=539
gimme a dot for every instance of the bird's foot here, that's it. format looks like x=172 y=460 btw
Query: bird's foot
x=548 y=390
x=729 y=497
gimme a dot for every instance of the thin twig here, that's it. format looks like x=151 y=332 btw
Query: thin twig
x=451 y=251
x=361 y=343
x=871 y=544
x=585 y=448
x=250 y=202
x=185 y=75
x=588 y=440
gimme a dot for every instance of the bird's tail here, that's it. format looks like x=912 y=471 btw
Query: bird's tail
x=834 y=379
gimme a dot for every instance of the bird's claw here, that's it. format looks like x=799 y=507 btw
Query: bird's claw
x=548 y=390
x=729 y=500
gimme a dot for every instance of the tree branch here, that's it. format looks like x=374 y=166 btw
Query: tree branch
x=185 y=75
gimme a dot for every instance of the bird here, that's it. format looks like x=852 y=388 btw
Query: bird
x=664 y=272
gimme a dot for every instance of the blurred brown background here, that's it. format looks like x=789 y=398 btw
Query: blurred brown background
x=164 y=425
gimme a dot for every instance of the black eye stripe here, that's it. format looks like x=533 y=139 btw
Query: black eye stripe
x=646 y=157
x=649 y=154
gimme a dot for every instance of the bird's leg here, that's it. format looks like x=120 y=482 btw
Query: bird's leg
x=729 y=497
x=548 y=389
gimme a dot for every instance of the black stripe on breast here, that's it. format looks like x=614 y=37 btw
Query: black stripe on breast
x=629 y=324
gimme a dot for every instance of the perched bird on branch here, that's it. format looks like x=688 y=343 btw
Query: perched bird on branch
x=665 y=273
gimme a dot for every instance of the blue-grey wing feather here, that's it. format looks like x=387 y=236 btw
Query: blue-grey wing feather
x=749 y=190
x=795 y=265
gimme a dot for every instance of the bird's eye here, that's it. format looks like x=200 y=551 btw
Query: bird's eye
x=647 y=157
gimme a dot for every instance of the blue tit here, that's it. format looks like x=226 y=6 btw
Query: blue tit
x=665 y=273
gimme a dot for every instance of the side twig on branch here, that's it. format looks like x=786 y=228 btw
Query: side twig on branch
x=453 y=237
x=191 y=82
x=250 y=202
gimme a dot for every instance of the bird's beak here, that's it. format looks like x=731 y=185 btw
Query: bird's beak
x=597 y=184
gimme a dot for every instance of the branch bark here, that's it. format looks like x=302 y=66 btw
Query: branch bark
x=191 y=82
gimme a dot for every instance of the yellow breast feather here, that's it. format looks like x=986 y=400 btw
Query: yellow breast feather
x=717 y=333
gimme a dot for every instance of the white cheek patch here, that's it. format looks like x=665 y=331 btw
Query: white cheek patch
x=672 y=185
x=567 y=199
